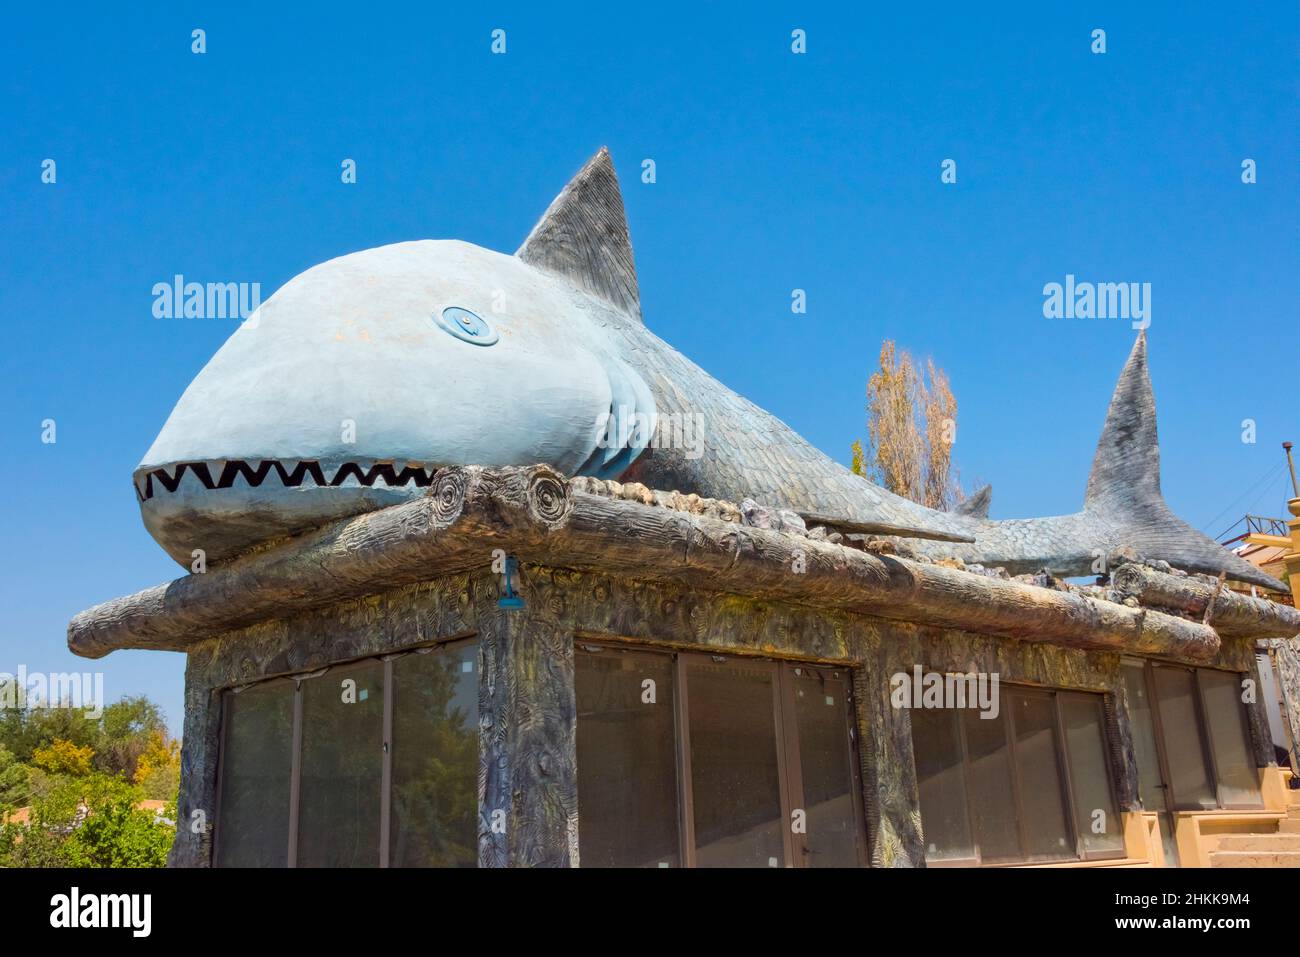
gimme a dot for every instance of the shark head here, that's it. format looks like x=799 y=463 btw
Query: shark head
x=359 y=378
x=350 y=387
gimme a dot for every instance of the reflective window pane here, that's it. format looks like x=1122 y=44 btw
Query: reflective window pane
x=627 y=760
x=253 y=830
x=941 y=780
x=342 y=767
x=735 y=784
x=434 y=816
x=822 y=716
x=1096 y=818
x=1143 y=725
x=1225 y=716
x=1038 y=767
x=1176 y=696
x=991 y=798
x=730 y=746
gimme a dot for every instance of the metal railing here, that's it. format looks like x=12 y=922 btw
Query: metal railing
x=1254 y=525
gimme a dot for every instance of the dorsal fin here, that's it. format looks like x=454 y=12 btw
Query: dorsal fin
x=583 y=236
x=1126 y=469
x=1124 y=487
x=977 y=505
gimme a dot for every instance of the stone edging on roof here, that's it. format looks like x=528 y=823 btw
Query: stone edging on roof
x=542 y=517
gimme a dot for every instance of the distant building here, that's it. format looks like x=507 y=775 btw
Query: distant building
x=1265 y=543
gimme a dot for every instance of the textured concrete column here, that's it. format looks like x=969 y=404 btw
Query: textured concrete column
x=196 y=804
x=892 y=798
x=1261 y=738
x=1119 y=742
x=528 y=807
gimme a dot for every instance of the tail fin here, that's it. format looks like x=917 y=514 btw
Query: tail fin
x=977 y=504
x=1124 y=486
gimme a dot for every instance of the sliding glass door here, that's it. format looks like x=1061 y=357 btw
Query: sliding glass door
x=714 y=761
x=1029 y=783
x=1191 y=740
x=367 y=764
x=735 y=764
x=627 y=760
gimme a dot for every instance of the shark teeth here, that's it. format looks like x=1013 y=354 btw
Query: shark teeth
x=283 y=473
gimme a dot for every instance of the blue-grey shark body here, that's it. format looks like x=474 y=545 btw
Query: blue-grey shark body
x=348 y=389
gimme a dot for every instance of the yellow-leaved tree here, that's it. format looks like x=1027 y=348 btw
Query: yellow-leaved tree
x=911 y=428
x=63 y=757
x=158 y=770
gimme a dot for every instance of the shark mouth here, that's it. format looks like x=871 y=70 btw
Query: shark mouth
x=287 y=474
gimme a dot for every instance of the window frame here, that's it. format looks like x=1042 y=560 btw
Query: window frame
x=1063 y=771
x=1149 y=665
x=785 y=725
x=223 y=741
x=1247 y=741
x=680 y=755
x=1062 y=774
x=798 y=797
x=298 y=679
x=1098 y=698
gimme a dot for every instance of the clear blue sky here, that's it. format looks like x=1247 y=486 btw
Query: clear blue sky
x=775 y=171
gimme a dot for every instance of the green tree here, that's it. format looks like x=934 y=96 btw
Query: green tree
x=126 y=731
x=14 y=782
x=90 y=821
x=24 y=729
x=84 y=778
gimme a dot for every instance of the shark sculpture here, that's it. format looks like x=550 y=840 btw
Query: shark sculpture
x=348 y=388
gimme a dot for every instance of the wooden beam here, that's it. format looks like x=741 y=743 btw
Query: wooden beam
x=1273 y=541
x=1234 y=614
x=534 y=514
x=838 y=524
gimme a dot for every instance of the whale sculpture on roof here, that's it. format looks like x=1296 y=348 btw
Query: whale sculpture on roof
x=348 y=389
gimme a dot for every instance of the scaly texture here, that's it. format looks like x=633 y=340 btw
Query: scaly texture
x=583 y=236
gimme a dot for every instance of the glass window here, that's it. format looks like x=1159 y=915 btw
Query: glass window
x=822 y=716
x=1022 y=786
x=734 y=773
x=940 y=777
x=342 y=767
x=1038 y=767
x=338 y=721
x=698 y=760
x=1226 y=718
x=627 y=760
x=255 y=766
x=992 y=801
x=434 y=816
x=1176 y=695
x=1096 y=819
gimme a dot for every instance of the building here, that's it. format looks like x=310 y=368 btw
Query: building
x=1265 y=543
x=637 y=656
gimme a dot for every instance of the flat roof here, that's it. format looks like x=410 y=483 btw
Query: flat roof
x=542 y=517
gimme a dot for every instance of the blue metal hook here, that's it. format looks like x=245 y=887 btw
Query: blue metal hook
x=510 y=600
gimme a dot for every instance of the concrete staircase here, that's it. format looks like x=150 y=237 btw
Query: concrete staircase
x=1280 y=848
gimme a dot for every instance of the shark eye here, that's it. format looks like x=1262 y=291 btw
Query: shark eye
x=466 y=326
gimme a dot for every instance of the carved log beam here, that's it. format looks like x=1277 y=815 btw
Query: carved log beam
x=534 y=514
x=1231 y=614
